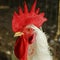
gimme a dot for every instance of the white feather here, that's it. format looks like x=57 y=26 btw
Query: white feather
x=40 y=46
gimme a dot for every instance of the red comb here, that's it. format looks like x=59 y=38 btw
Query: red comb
x=25 y=18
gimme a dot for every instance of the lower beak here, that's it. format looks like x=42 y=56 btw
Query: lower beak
x=18 y=34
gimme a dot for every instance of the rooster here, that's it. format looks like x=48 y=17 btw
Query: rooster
x=31 y=43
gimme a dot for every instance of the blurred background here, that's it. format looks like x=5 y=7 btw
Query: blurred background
x=51 y=27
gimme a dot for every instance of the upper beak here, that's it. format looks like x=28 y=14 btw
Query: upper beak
x=18 y=34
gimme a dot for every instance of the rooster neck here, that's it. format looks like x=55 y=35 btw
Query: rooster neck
x=41 y=46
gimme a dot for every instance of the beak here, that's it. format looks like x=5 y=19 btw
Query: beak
x=18 y=34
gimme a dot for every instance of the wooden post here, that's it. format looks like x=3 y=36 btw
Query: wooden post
x=58 y=30
x=59 y=20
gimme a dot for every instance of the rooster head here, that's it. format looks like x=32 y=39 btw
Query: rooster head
x=21 y=25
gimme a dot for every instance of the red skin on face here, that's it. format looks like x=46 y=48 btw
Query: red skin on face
x=28 y=32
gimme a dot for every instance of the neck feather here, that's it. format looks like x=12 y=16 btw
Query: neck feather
x=41 y=43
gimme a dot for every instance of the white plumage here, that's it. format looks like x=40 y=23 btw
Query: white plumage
x=39 y=50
